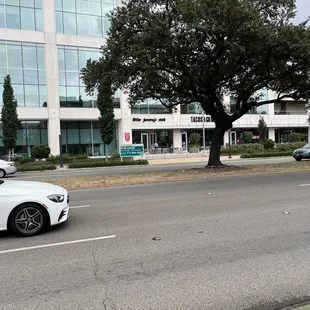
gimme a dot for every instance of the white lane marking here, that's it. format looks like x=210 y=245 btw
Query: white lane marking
x=56 y=244
x=79 y=207
x=302 y=185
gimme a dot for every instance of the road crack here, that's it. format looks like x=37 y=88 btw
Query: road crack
x=108 y=303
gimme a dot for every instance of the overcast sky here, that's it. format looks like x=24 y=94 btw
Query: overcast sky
x=303 y=7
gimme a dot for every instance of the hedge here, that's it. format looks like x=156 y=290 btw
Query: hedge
x=243 y=148
x=36 y=168
x=67 y=158
x=94 y=164
x=267 y=154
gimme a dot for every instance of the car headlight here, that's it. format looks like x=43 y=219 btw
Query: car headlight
x=56 y=198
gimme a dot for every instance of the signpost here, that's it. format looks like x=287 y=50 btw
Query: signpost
x=131 y=150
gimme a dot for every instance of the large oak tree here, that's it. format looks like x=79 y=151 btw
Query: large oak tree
x=184 y=51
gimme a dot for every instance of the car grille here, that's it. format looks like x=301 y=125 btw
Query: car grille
x=68 y=199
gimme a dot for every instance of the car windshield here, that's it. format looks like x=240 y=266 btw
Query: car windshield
x=307 y=146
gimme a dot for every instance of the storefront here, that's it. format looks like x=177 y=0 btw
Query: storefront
x=83 y=137
x=149 y=138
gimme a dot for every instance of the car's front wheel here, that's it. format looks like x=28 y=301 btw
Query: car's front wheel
x=298 y=158
x=28 y=220
x=2 y=173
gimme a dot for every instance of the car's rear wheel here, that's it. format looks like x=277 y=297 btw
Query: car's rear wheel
x=28 y=220
x=2 y=173
x=298 y=158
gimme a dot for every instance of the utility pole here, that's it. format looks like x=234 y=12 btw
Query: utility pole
x=203 y=130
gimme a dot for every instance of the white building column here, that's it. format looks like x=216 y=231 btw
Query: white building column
x=226 y=138
x=177 y=138
x=125 y=123
x=52 y=80
x=271 y=134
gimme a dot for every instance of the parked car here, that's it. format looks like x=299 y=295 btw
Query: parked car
x=29 y=208
x=7 y=168
x=303 y=153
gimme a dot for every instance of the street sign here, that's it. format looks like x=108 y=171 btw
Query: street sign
x=132 y=150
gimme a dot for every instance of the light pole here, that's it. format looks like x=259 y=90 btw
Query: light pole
x=203 y=130
x=307 y=107
x=229 y=143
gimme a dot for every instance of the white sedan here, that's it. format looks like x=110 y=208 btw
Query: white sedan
x=29 y=208
x=6 y=168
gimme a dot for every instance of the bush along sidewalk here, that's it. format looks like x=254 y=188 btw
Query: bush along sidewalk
x=267 y=154
x=36 y=168
x=106 y=164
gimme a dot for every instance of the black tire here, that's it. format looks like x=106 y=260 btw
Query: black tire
x=2 y=173
x=28 y=220
x=298 y=158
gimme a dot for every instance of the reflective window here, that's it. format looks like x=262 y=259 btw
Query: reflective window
x=83 y=137
x=30 y=133
x=192 y=108
x=21 y=14
x=71 y=87
x=150 y=107
x=25 y=62
x=83 y=17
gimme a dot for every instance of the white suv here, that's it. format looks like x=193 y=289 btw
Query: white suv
x=6 y=168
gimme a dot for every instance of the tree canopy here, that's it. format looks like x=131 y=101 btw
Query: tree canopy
x=184 y=51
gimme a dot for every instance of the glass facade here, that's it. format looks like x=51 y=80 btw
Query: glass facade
x=25 y=62
x=83 y=17
x=192 y=108
x=83 y=137
x=21 y=14
x=150 y=107
x=30 y=133
x=164 y=139
x=71 y=87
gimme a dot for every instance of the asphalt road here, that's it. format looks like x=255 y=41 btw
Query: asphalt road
x=66 y=173
x=224 y=244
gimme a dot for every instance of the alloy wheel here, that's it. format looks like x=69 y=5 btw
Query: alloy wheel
x=29 y=220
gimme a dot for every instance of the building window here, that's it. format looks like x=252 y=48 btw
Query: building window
x=30 y=133
x=71 y=87
x=192 y=108
x=83 y=137
x=25 y=63
x=21 y=14
x=150 y=107
x=83 y=17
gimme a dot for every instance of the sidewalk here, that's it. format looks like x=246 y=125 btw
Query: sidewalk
x=183 y=160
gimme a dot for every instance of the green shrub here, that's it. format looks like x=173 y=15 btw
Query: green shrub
x=244 y=148
x=67 y=158
x=194 y=140
x=283 y=147
x=40 y=151
x=298 y=145
x=268 y=144
x=36 y=168
x=267 y=154
x=294 y=137
x=248 y=136
x=115 y=156
x=93 y=164
x=23 y=160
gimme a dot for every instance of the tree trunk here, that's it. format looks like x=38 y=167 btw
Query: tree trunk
x=215 y=150
x=106 y=152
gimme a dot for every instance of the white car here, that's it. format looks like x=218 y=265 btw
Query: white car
x=6 y=168
x=29 y=208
